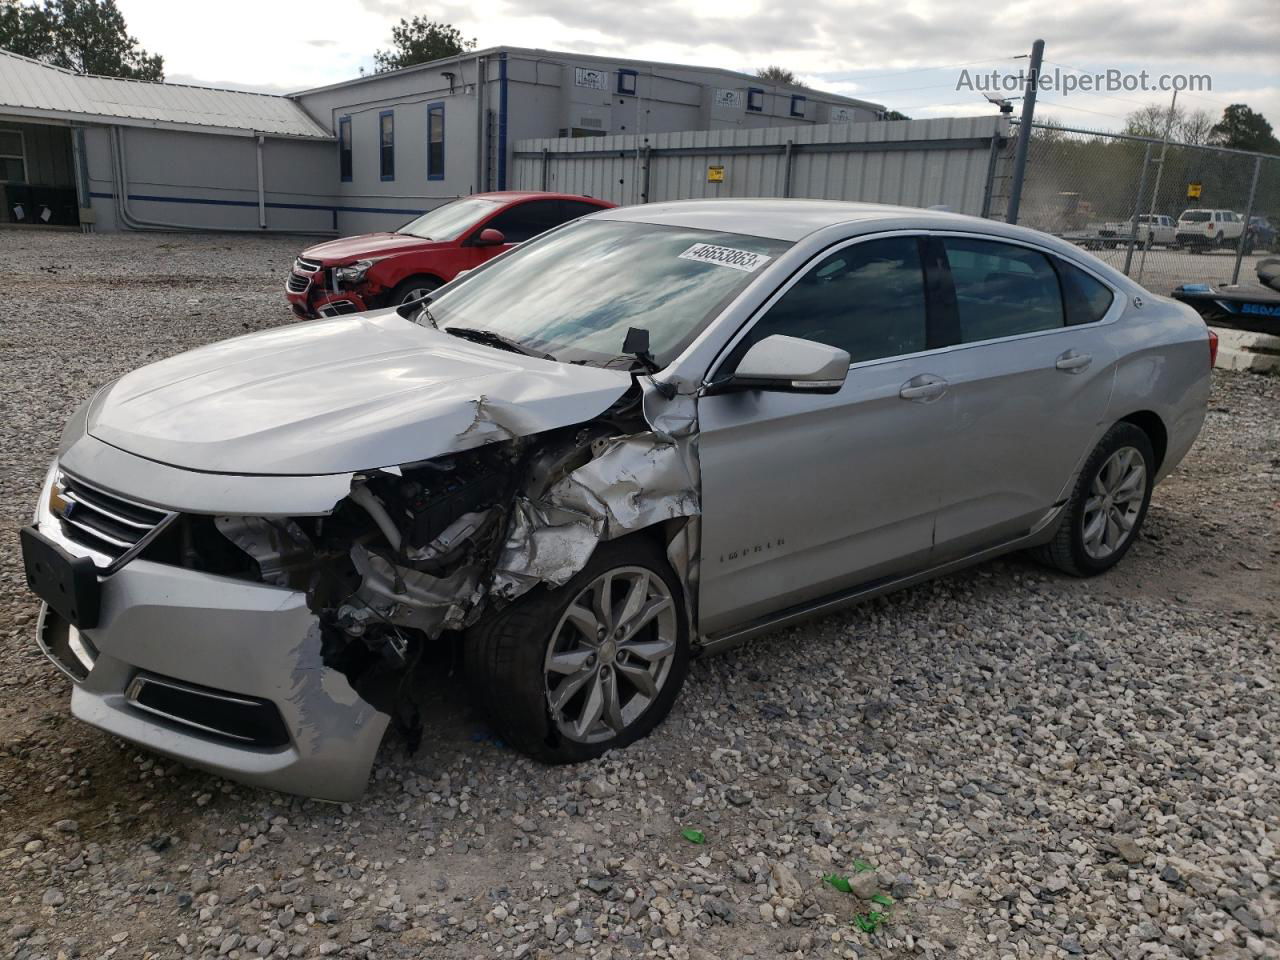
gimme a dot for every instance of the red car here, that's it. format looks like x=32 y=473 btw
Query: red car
x=381 y=269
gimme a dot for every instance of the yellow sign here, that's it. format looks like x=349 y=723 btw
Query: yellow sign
x=715 y=174
x=1193 y=191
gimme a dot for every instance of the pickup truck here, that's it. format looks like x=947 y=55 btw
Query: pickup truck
x=1152 y=229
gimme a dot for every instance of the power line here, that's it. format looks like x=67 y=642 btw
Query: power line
x=945 y=66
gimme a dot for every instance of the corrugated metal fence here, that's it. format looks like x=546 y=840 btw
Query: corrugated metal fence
x=920 y=163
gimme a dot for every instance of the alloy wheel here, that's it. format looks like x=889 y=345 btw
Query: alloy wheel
x=1114 y=504
x=611 y=654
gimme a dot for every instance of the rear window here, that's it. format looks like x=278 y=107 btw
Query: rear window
x=1195 y=216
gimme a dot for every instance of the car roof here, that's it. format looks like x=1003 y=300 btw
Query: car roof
x=511 y=196
x=792 y=220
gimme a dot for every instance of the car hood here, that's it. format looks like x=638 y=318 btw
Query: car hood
x=368 y=246
x=336 y=396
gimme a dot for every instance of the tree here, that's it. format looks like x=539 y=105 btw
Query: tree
x=85 y=36
x=1243 y=129
x=1195 y=127
x=776 y=74
x=420 y=41
x=894 y=115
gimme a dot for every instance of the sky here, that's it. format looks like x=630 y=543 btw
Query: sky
x=907 y=55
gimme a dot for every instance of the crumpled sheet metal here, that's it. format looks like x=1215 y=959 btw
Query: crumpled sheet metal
x=633 y=482
x=411 y=598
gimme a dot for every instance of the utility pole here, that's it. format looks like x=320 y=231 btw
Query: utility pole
x=1155 y=192
x=1024 y=131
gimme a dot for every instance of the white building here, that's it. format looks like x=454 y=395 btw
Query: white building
x=362 y=155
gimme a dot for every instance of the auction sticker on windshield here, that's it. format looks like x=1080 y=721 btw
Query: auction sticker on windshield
x=743 y=260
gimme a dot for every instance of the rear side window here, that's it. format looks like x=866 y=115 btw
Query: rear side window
x=1002 y=290
x=573 y=209
x=867 y=299
x=1086 y=300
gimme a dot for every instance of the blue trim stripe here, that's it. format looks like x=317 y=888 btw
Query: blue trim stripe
x=254 y=203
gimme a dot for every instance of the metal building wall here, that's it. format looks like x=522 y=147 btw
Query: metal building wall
x=913 y=162
x=210 y=181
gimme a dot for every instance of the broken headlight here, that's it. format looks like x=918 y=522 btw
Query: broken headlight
x=352 y=273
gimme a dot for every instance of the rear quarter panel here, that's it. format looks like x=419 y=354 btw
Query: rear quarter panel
x=1163 y=367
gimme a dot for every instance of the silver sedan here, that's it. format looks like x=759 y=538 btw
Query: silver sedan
x=644 y=436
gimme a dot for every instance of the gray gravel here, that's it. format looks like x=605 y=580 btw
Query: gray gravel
x=1027 y=765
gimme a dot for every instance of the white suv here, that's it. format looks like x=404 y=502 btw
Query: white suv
x=1208 y=228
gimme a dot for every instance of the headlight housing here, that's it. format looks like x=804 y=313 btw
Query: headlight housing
x=352 y=273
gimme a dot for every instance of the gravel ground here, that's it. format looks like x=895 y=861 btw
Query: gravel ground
x=1027 y=766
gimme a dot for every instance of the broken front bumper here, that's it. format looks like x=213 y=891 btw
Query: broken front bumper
x=207 y=670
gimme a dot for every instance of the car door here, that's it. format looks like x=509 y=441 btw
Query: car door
x=1030 y=389
x=805 y=495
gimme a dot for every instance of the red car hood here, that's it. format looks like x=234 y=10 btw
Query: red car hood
x=368 y=246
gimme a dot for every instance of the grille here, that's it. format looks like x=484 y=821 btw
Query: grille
x=296 y=284
x=103 y=522
x=303 y=265
x=303 y=272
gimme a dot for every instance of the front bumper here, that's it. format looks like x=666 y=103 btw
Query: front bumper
x=309 y=299
x=234 y=637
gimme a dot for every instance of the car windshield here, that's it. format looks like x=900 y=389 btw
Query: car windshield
x=450 y=221
x=576 y=291
x=1195 y=216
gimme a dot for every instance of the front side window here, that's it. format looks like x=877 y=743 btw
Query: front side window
x=575 y=292
x=435 y=141
x=1002 y=290
x=526 y=220
x=867 y=299
x=387 y=145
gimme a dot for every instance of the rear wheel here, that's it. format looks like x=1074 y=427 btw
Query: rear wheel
x=415 y=288
x=1107 y=507
x=569 y=673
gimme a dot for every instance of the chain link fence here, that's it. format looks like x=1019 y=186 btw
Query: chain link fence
x=1165 y=214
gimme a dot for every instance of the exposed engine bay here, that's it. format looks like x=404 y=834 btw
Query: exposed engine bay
x=416 y=554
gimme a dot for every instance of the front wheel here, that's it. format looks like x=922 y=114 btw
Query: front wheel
x=1107 y=507
x=566 y=674
x=415 y=288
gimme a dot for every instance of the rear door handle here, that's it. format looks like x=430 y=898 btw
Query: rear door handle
x=923 y=389
x=1073 y=362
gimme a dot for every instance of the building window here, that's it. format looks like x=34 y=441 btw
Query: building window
x=387 y=144
x=344 y=148
x=13 y=157
x=435 y=141
x=755 y=99
x=627 y=82
x=797 y=105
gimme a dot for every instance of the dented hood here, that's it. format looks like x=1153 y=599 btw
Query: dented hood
x=336 y=396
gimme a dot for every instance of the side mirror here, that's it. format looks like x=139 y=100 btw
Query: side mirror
x=490 y=237
x=787 y=364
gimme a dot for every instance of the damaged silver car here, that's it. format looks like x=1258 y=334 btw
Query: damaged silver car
x=648 y=434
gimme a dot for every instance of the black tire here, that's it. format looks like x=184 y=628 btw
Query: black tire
x=1067 y=551
x=405 y=287
x=505 y=651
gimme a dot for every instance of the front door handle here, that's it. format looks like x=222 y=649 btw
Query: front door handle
x=1073 y=362
x=923 y=389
